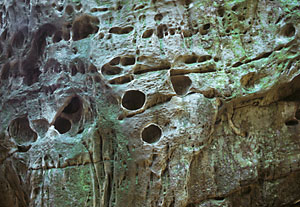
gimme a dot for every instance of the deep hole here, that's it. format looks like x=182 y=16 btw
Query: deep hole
x=151 y=134
x=20 y=130
x=22 y=148
x=73 y=106
x=219 y=198
x=289 y=30
x=60 y=8
x=172 y=31
x=234 y=8
x=139 y=7
x=80 y=131
x=133 y=99
x=292 y=122
x=127 y=61
x=181 y=84
x=62 y=125
x=267 y=54
x=297 y=114
x=216 y=59
x=221 y=11
x=206 y=26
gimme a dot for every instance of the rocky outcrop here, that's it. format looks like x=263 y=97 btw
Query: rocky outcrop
x=149 y=103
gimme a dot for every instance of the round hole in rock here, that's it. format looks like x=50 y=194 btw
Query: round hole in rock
x=206 y=26
x=291 y=122
x=133 y=99
x=62 y=125
x=181 y=84
x=73 y=106
x=288 y=30
x=21 y=131
x=151 y=134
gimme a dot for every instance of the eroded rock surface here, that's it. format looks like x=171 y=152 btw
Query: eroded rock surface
x=149 y=103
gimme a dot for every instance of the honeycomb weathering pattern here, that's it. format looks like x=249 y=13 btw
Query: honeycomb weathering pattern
x=188 y=103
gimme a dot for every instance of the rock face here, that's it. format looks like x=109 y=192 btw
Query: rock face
x=188 y=103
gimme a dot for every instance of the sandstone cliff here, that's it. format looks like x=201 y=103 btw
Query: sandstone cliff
x=147 y=103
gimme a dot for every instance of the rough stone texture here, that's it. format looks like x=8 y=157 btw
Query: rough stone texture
x=189 y=103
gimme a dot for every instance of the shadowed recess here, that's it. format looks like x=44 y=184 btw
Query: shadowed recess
x=148 y=33
x=181 y=84
x=73 y=106
x=292 y=122
x=107 y=69
x=21 y=131
x=62 y=125
x=120 y=30
x=133 y=100
x=297 y=114
x=288 y=30
x=83 y=26
x=127 y=61
x=115 y=61
x=151 y=134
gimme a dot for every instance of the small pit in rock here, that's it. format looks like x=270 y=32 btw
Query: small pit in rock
x=127 y=61
x=107 y=69
x=181 y=84
x=190 y=59
x=148 y=33
x=288 y=30
x=292 y=122
x=151 y=134
x=62 y=125
x=73 y=106
x=115 y=61
x=133 y=99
